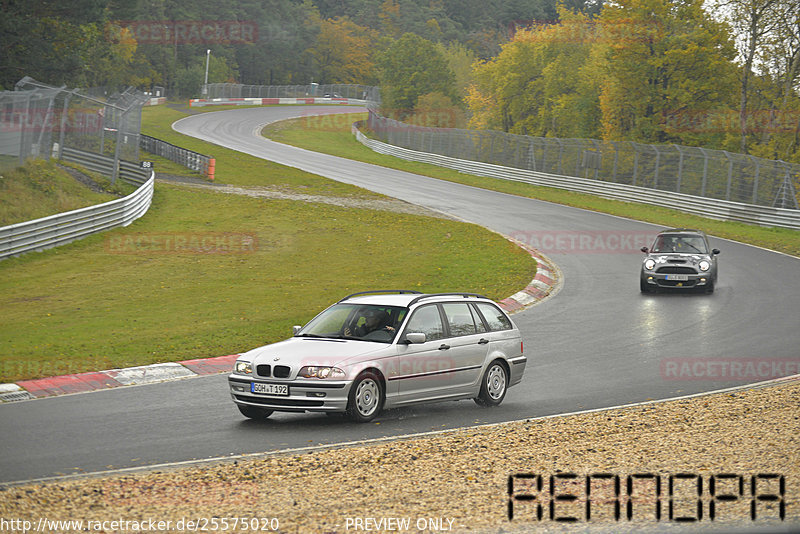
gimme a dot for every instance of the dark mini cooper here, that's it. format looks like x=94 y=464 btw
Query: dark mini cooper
x=679 y=259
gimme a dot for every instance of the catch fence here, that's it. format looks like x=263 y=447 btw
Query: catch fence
x=713 y=174
x=349 y=91
x=39 y=121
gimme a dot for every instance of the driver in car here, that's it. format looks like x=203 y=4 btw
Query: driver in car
x=374 y=320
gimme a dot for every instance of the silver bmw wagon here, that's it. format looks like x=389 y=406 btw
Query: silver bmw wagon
x=384 y=349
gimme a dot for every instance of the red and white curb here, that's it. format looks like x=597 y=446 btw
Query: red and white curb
x=544 y=285
x=93 y=381
x=547 y=282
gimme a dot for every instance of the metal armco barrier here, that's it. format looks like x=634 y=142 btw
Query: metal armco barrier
x=63 y=228
x=706 y=207
x=187 y=158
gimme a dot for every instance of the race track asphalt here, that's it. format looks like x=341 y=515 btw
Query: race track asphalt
x=597 y=343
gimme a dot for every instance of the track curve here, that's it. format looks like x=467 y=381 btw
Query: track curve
x=599 y=343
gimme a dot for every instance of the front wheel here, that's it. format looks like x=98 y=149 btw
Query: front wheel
x=494 y=385
x=366 y=398
x=252 y=412
x=645 y=287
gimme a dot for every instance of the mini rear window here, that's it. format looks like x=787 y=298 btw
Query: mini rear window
x=495 y=318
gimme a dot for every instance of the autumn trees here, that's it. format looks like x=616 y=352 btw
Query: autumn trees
x=656 y=71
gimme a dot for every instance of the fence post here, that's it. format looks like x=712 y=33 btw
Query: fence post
x=680 y=168
x=115 y=171
x=755 y=178
x=560 y=155
x=730 y=175
x=705 y=171
x=616 y=160
x=62 y=133
x=658 y=164
x=24 y=125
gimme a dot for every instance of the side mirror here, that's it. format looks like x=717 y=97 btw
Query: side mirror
x=415 y=338
x=715 y=251
x=644 y=249
x=296 y=329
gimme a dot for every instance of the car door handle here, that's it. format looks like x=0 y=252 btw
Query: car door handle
x=444 y=347
x=483 y=341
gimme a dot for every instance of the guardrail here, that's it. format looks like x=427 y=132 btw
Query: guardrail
x=127 y=171
x=706 y=207
x=63 y=228
x=189 y=159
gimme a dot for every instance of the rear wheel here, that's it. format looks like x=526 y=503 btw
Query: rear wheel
x=366 y=398
x=494 y=385
x=253 y=412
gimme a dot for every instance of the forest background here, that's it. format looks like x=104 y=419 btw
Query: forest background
x=717 y=74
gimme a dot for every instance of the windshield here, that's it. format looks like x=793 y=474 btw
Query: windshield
x=686 y=244
x=356 y=321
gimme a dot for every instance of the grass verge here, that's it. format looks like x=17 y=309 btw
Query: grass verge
x=207 y=274
x=332 y=135
x=40 y=188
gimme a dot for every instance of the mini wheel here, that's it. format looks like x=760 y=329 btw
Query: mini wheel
x=644 y=287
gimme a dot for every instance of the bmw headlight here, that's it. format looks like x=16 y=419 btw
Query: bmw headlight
x=314 y=371
x=243 y=368
x=704 y=265
x=649 y=264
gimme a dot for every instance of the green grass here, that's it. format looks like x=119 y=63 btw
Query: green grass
x=40 y=188
x=332 y=136
x=104 y=302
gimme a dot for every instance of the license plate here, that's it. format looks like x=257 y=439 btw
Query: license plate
x=678 y=277
x=281 y=390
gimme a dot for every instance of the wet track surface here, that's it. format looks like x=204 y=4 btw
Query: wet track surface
x=597 y=343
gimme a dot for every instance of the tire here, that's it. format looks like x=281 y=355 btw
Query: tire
x=252 y=412
x=494 y=385
x=709 y=288
x=366 y=398
x=644 y=287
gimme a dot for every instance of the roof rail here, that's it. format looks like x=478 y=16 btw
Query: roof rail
x=431 y=295
x=401 y=291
